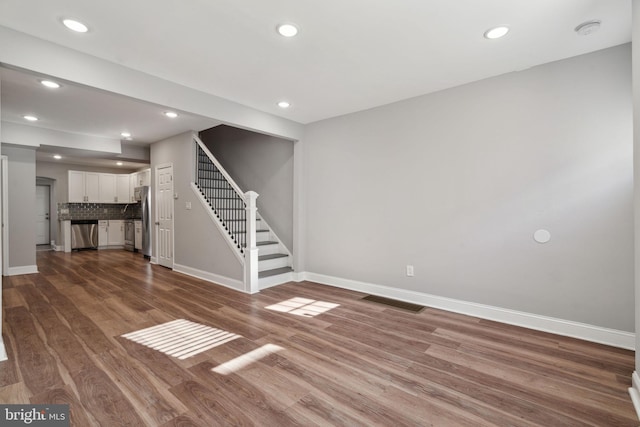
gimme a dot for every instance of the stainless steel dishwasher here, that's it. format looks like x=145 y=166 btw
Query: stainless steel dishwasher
x=84 y=234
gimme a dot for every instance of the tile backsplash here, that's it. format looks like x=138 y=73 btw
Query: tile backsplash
x=69 y=211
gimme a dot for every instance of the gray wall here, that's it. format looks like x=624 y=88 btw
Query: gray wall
x=259 y=163
x=198 y=243
x=636 y=163
x=456 y=183
x=22 y=205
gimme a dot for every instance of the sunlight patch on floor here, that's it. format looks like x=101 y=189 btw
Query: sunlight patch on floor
x=181 y=338
x=246 y=359
x=303 y=307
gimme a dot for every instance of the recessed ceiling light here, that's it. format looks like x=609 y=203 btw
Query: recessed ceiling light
x=287 y=30
x=30 y=118
x=50 y=84
x=284 y=104
x=587 y=28
x=74 y=25
x=171 y=114
x=119 y=163
x=496 y=32
x=125 y=135
x=57 y=156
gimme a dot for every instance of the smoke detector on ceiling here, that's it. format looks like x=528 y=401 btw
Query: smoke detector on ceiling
x=587 y=28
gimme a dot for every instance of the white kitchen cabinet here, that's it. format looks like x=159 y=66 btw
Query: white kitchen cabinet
x=116 y=232
x=92 y=183
x=144 y=177
x=107 y=188
x=133 y=183
x=84 y=187
x=103 y=233
x=122 y=189
x=138 y=235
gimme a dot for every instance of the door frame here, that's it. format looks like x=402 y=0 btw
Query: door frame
x=49 y=194
x=156 y=222
x=4 y=235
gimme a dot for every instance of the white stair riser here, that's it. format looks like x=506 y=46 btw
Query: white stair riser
x=272 y=264
x=269 y=249
x=263 y=236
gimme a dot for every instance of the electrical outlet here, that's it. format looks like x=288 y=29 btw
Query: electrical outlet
x=410 y=270
x=187 y=205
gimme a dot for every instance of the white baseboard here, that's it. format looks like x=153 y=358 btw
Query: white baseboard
x=210 y=277
x=23 y=269
x=153 y=260
x=3 y=351
x=58 y=248
x=634 y=392
x=553 y=325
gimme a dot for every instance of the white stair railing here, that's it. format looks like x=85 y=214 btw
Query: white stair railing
x=231 y=209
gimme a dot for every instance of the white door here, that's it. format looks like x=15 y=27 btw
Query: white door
x=164 y=215
x=42 y=215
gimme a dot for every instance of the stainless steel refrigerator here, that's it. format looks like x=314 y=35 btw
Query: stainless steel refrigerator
x=143 y=194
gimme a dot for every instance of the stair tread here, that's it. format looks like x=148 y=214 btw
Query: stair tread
x=275 y=272
x=244 y=232
x=271 y=256
x=266 y=242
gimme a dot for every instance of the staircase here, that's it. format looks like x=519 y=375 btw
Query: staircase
x=231 y=209
x=273 y=257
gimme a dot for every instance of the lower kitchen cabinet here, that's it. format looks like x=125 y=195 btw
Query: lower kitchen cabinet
x=116 y=232
x=103 y=233
x=138 y=235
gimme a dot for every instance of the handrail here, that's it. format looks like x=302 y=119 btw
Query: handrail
x=222 y=170
x=233 y=211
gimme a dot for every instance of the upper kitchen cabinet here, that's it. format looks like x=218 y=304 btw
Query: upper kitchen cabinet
x=107 y=188
x=114 y=188
x=139 y=179
x=122 y=189
x=84 y=187
x=94 y=187
x=143 y=178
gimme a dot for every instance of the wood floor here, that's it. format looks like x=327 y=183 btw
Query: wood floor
x=358 y=363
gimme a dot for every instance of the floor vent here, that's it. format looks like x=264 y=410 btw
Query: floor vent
x=414 y=308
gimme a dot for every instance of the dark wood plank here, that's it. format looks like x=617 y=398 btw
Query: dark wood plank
x=65 y=396
x=38 y=367
x=356 y=364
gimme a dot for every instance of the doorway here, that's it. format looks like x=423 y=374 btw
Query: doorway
x=164 y=215
x=43 y=222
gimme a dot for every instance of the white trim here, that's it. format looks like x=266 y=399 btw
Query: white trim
x=3 y=352
x=634 y=392
x=279 y=279
x=23 y=269
x=153 y=260
x=210 y=277
x=5 y=215
x=218 y=223
x=552 y=325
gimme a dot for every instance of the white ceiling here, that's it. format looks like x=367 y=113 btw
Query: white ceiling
x=88 y=111
x=350 y=55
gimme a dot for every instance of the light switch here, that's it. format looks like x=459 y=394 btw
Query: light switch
x=188 y=205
